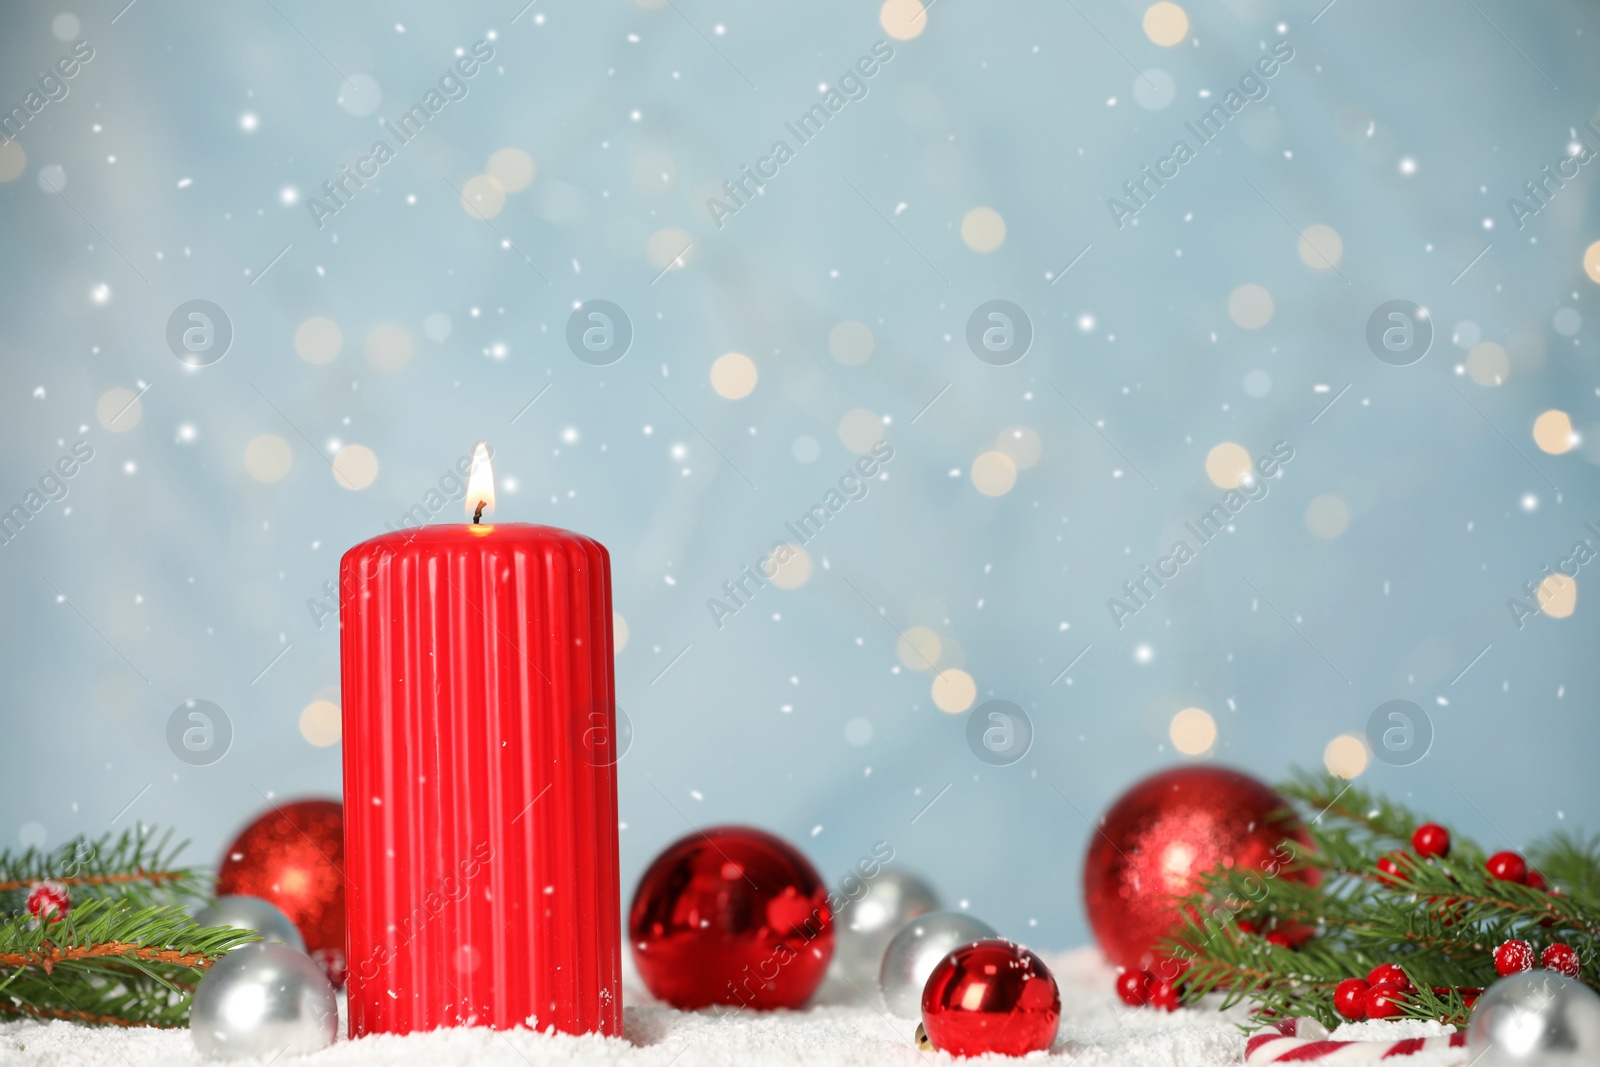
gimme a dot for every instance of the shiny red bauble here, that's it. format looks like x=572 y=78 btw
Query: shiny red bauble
x=1383 y=1002
x=293 y=857
x=991 y=996
x=1350 y=998
x=731 y=916
x=1431 y=839
x=1513 y=957
x=1507 y=866
x=1161 y=836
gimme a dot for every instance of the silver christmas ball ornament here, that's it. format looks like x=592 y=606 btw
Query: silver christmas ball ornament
x=865 y=924
x=1535 y=1019
x=252 y=913
x=916 y=950
x=261 y=1000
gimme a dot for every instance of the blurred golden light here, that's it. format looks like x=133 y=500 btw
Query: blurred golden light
x=954 y=691
x=1193 y=731
x=1346 y=756
x=1552 y=431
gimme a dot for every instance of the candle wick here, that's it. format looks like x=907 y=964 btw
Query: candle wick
x=477 y=516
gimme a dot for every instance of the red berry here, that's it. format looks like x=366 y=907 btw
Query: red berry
x=1390 y=865
x=1246 y=926
x=1431 y=839
x=49 y=902
x=1280 y=939
x=1389 y=974
x=1536 y=881
x=1508 y=867
x=1350 y=998
x=1164 y=995
x=1383 y=1002
x=1513 y=957
x=1561 y=959
x=1134 y=988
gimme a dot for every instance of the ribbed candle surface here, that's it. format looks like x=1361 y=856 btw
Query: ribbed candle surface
x=479 y=781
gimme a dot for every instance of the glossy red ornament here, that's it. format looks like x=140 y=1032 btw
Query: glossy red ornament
x=1159 y=838
x=1383 y=1002
x=1134 y=988
x=1350 y=998
x=731 y=916
x=1389 y=974
x=1431 y=839
x=1513 y=957
x=991 y=996
x=1507 y=866
x=480 y=756
x=292 y=857
x=1561 y=959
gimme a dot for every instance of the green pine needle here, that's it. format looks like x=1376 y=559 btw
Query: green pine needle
x=1440 y=920
x=126 y=953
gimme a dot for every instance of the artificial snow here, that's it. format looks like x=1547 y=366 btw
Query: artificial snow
x=839 y=1030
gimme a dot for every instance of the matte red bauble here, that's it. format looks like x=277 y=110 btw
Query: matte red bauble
x=731 y=916
x=991 y=996
x=1160 y=837
x=293 y=857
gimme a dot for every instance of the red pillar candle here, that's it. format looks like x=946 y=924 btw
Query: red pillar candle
x=479 y=778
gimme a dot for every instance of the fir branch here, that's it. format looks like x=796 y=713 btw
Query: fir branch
x=109 y=962
x=1438 y=919
x=136 y=864
x=1571 y=863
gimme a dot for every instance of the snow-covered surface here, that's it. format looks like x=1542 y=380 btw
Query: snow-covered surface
x=839 y=1030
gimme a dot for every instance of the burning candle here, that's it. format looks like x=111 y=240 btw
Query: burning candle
x=479 y=777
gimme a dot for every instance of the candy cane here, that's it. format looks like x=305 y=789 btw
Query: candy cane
x=1306 y=1041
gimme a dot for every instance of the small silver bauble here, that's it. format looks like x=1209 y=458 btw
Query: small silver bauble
x=261 y=1000
x=865 y=925
x=1536 y=1019
x=916 y=950
x=252 y=913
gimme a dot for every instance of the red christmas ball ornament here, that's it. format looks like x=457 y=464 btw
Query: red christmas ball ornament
x=732 y=916
x=49 y=902
x=991 y=996
x=1161 y=836
x=1383 y=1002
x=1134 y=988
x=1513 y=957
x=1537 y=880
x=1431 y=839
x=1561 y=959
x=1507 y=866
x=1389 y=974
x=293 y=857
x=1350 y=998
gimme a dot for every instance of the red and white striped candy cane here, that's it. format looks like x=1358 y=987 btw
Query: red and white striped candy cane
x=1306 y=1041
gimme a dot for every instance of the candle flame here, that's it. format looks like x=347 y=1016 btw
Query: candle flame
x=480 y=484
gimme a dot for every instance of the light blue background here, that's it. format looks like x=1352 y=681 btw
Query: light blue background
x=184 y=577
